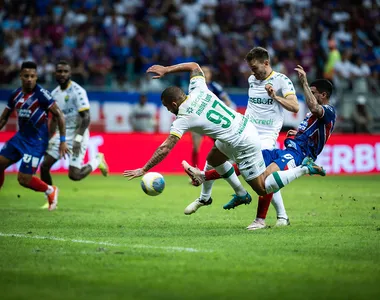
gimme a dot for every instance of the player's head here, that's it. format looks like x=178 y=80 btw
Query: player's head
x=259 y=62
x=62 y=72
x=322 y=90
x=207 y=72
x=28 y=75
x=172 y=97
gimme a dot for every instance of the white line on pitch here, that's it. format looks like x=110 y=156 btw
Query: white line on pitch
x=38 y=237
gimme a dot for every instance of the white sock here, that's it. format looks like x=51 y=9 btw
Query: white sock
x=49 y=190
x=207 y=185
x=94 y=163
x=278 y=180
x=227 y=171
x=278 y=204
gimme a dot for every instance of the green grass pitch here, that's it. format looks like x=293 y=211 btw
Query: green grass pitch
x=108 y=240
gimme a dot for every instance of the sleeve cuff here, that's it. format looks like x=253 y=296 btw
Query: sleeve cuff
x=176 y=134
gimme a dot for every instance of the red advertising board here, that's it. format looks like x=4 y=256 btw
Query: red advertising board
x=344 y=154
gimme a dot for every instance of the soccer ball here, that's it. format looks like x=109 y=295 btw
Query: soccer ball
x=153 y=183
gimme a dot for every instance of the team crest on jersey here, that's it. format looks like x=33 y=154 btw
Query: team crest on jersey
x=67 y=98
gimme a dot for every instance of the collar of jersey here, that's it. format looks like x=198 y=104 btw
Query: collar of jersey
x=270 y=75
x=66 y=87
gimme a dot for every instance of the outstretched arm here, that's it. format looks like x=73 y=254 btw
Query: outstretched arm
x=161 y=71
x=315 y=108
x=158 y=156
x=4 y=117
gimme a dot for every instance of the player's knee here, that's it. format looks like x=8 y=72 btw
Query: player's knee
x=23 y=179
x=74 y=175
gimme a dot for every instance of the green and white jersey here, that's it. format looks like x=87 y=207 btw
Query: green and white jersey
x=71 y=101
x=203 y=113
x=266 y=113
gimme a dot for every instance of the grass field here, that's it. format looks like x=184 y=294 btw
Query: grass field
x=108 y=240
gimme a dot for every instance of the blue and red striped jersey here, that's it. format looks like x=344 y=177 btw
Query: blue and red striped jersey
x=32 y=113
x=313 y=132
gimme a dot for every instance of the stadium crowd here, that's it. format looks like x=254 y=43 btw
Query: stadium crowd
x=116 y=41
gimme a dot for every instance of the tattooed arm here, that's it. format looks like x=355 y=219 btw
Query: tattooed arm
x=161 y=71
x=315 y=108
x=158 y=156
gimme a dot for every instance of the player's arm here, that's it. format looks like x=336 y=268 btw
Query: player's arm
x=161 y=71
x=83 y=123
x=52 y=126
x=158 y=156
x=58 y=115
x=315 y=108
x=4 y=117
x=289 y=102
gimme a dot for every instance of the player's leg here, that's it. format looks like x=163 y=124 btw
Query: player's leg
x=26 y=178
x=278 y=203
x=197 y=139
x=46 y=165
x=4 y=163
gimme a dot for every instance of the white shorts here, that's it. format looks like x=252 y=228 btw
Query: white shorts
x=247 y=154
x=267 y=142
x=75 y=161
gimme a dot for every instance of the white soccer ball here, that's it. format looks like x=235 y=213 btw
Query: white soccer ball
x=152 y=183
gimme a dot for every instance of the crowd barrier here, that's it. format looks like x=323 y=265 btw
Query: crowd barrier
x=343 y=154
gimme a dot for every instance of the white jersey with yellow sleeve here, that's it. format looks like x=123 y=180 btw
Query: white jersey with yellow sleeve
x=71 y=101
x=266 y=113
x=202 y=112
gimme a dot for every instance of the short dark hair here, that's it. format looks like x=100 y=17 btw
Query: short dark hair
x=62 y=62
x=172 y=94
x=323 y=86
x=28 y=65
x=257 y=53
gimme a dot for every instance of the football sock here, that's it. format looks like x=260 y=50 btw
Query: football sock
x=279 y=179
x=94 y=163
x=49 y=190
x=2 y=177
x=278 y=204
x=38 y=185
x=227 y=171
x=263 y=205
x=194 y=157
x=207 y=186
x=213 y=174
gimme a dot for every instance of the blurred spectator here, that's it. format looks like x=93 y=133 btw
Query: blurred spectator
x=143 y=116
x=332 y=58
x=361 y=117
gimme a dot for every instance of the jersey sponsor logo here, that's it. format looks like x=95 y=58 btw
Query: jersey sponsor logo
x=24 y=113
x=67 y=98
x=268 y=122
x=68 y=110
x=255 y=100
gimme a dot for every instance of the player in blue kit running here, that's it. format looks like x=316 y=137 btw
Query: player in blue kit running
x=32 y=104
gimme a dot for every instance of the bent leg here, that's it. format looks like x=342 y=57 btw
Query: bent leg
x=77 y=174
x=46 y=165
x=197 y=139
x=4 y=163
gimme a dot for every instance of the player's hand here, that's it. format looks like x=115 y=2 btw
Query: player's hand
x=159 y=70
x=63 y=150
x=291 y=132
x=76 y=148
x=134 y=173
x=270 y=90
x=301 y=74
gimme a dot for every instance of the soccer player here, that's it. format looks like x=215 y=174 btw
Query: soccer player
x=73 y=101
x=236 y=137
x=270 y=93
x=32 y=104
x=307 y=141
x=217 y=89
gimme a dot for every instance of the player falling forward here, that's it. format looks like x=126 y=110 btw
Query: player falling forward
x=73 y=101
x=217 y=89
x=32 y=104
x=236 y=138
x=270 y=93
x=307 y=141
